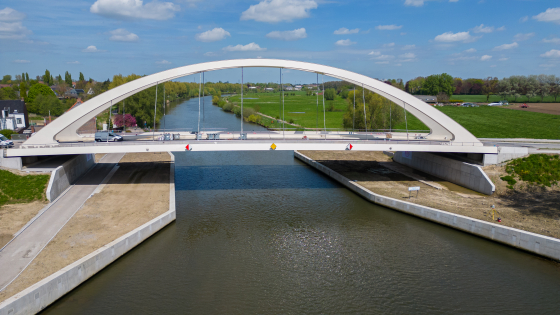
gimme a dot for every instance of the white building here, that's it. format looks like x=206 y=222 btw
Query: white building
x=13 y=115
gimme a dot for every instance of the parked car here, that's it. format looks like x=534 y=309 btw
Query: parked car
x=524 y=105
x=107 y=136
x=5 y=142
x=496 y=104
x=467 y=105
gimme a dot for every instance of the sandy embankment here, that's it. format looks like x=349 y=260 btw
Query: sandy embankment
x=531 y=209
x=137 y=193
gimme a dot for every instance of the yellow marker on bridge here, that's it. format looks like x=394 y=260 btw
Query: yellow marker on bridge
x=273 y=147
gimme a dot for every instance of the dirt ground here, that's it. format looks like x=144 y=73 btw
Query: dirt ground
x=546 y=108
x=13 y=217
x=106 y=216
x=528 y=208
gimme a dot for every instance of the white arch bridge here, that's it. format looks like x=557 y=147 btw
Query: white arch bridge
x=446 y=135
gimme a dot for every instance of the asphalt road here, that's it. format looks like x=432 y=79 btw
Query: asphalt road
x=18 y=254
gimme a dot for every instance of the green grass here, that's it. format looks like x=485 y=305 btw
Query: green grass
x=495 y=122
x=483 y=122
x=497 y=98
x=20 y=189
x=270 y=104
x=540 y=169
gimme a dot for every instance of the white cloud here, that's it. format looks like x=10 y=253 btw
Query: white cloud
x=483 y=29
x=344 y=42
x=91 y=49
x=345 y=31
x=552 y=40
x=210 y=54
x=384 y=57
x=391 y=27
x=470 y=50
x=550 y=15
x=506 y=46
x=374 y=53
x=134 y=9
x=520 y=37
x=408 y=56
x=21 y=61
x=248 y=47
x=547 y=65
x=499 y=29
x=274 y=11
x=163 y=62
x=408 y=47
x=485 y=58
x=450 y=37
x=524 y=19
x=366 y=32
x=216 y=34
x=389 y=45
x=11 y=26
x=553 y=53
x=10 y=15
x=73 y=62
x=414 y=3
x=382 y=62
x=503 y=59
x=122 y=35
x=288 y=35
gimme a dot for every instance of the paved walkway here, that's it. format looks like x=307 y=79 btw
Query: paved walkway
x=17 y=255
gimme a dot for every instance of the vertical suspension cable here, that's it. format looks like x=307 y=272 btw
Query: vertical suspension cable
x=317 y=93
x=241 y=134
x=283 y=121
x=365 y=115
x=390 y=117
x=155 y=111
x=109 y=126
x=324 y=114
x=199 y=91
x=203 y=86
x=164 y=105
x=280 y=102
x=405 y=121
x=124 y=122
x=354 y=111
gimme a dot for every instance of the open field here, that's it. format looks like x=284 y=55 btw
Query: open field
x=545 y=108
x=497 y=98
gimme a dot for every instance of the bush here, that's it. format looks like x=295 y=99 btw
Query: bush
x=509 y=179
x=215 y=100
x=540 y=169
x=228 y=107
x=248 y=111
x=222 y=103
x=456 y=101
x=237 y=111
x=254 y=119
x=291 y=121
x=8 y=133
x=330 y=94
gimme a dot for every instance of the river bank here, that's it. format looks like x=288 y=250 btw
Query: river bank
x=377 y=173
x=138 y=192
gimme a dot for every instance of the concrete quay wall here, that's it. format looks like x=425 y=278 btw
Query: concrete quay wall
x=464 y=174
x=43 y=293
x=64 y=175
x=535 y=243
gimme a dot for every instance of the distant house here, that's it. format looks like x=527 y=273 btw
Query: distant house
x=288 y=88
x=427 y=98
x=90 y=91
x=14 y=115
x=269 y=89
x=80 y=91
x=252 y=88
x=74 y=93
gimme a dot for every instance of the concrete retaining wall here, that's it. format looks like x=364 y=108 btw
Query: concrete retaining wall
x=10 y=162
x=43 y=293
x=505 y=154
x=66 y=174
x=464 y=174
x=537 y=244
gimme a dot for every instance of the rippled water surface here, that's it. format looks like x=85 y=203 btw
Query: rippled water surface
x=260 y=232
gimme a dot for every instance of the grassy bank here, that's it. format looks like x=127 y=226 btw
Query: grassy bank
x=21 y=189
x=497 y=98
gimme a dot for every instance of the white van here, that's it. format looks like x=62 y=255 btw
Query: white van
x=5 y=142
x=107 y=136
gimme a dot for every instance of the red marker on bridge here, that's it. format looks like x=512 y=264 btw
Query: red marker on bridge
x=349 y=147
x=188 y=148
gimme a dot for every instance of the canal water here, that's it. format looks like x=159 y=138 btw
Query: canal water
x=262 y=233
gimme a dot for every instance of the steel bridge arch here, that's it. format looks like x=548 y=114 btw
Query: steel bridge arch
x=64 y=129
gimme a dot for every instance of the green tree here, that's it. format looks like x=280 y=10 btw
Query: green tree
x=6 y=79
x=68 y=78
x=82 y=77
x=7 y=93
x=26 y=77
x=330 y=94
x=47 y=78
x=22 y=90
x=45 y=104
x=35 y=90
x=23 y=76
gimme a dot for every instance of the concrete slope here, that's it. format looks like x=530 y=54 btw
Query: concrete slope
x=17 y=255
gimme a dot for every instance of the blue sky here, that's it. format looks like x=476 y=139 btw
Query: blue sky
x=381 y=39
